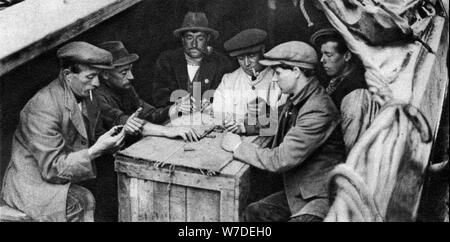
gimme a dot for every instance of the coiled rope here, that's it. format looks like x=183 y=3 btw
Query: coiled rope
x=362 y=187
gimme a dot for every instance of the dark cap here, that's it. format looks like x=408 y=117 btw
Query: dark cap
x=247 y=41
x=195 y=21
x=85 y=53
x=120 y=55
x=293 y=53
x=327 y=32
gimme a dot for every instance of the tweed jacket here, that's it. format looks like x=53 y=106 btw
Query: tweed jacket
x=171 y=74
x=304 y=152
x=49 y=152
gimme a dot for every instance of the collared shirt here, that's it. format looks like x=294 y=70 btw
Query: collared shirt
x=237 y=90
x=192 y=71
x=193 y=64
x=171 y=74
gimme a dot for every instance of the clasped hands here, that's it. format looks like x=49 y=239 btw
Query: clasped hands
x=186 y=105
x=135 y=125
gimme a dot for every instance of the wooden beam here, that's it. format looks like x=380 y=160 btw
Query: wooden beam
x=33 y=27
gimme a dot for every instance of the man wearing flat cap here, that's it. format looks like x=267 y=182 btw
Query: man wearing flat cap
x=53 y=146
x=307 y=146
x=346 y=85
x=245 y=91
x=195 y=65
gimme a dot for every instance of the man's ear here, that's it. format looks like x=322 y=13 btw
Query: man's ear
x=348 y=56
x=297 y=71
x=104 y=75
x=66 y=72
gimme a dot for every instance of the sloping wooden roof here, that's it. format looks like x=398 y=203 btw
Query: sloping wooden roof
x=32 y=27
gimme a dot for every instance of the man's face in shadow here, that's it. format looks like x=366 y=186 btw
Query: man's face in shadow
x=195 y=43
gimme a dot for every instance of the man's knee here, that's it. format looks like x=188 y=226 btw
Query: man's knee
x=80 y=204
x=263 y=212
x=251 y=212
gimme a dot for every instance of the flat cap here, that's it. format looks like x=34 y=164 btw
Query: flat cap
x=327 y=32
x=293 y=53
x=85 y=53
x=247 y=41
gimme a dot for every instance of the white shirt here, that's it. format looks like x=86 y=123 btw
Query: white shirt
x=192 y=70
x=235 y=92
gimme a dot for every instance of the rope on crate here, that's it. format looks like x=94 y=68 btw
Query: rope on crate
x=362 y=187
x=171 y=171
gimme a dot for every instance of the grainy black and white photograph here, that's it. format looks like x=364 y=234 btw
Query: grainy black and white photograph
x=224 y=111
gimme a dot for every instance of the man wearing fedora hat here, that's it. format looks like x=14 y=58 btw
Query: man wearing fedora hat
x=120 y=104
x=307 y=146
x=194 y=66
x=239 y=90
x=346 y=85
x=54 y=144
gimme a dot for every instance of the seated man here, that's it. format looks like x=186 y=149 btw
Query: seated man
x=194 y=65
x=347 y=86
x=119 y=102
x=120 y=105
x=53 y=146
x=307 y=146
x=237 y=93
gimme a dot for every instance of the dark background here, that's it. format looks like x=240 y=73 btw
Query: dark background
x=146 y=29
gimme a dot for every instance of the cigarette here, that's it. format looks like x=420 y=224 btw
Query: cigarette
x=90 y=94
x=255 y=73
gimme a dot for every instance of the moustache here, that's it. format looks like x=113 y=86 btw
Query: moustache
x=206 y=51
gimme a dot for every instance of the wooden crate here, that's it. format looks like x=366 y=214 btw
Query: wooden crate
x=152 y=191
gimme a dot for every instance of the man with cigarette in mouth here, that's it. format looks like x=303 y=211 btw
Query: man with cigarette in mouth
x=195 y=67
x=251 y=89
x=54 y=146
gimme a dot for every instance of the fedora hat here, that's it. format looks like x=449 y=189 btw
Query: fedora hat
x=195 y=21
x=119 y=53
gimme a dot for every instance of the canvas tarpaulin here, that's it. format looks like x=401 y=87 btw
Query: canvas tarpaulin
x=384 y=34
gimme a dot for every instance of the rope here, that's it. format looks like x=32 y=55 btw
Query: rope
x=361 y=188
x=305 y=14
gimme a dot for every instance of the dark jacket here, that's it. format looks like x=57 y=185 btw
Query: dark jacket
x=49 y=151
x=358 y=108
x=308 y=145
x=171 y=74
x=348 y=83
x=117 y=105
